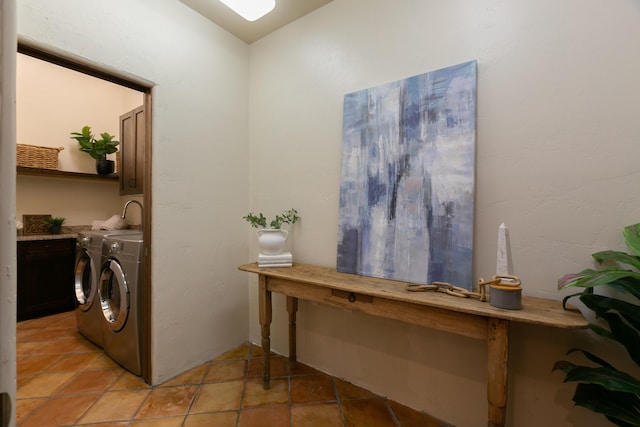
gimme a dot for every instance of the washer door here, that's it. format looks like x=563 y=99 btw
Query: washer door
x=114 y=295
x=85 y=284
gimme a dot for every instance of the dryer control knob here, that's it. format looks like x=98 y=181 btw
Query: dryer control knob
x=114 y=247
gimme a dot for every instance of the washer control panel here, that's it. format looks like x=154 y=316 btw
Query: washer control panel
x=124 y=249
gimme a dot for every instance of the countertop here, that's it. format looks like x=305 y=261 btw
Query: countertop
x=68 y=232
x=46 y=237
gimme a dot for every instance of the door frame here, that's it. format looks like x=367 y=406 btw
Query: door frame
x=8 y=261
x=85 y=66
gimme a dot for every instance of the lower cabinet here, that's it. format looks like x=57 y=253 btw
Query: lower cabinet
x=45 y=277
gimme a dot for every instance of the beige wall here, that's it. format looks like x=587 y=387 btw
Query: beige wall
x=557 y=143
x=200 y=146
x=52 y=102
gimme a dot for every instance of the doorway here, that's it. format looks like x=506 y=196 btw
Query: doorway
x=128 y=85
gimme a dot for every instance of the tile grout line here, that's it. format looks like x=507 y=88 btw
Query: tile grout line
x=392 y=412
x=133 y=416
x=338 y=400
x=50 y=396
x=290 y=387
x=196 y=394
x=244 y=383
x=102 y=393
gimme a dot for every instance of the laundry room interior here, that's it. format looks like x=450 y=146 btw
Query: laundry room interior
x=55 y=100
x=236 y=126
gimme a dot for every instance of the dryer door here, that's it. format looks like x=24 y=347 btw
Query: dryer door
x=114 y=295
x=85 y=281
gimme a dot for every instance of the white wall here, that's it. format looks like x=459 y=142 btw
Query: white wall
x=200 y=145
x=557 y=149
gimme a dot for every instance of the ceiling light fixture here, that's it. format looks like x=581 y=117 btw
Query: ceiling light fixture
x=250 y=9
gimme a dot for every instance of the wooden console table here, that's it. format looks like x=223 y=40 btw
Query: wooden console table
x=390 y=299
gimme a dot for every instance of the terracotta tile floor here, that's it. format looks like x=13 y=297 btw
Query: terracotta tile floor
x=63 y=380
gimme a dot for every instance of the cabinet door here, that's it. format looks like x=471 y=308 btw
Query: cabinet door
x=132 y=141
x=45 y=277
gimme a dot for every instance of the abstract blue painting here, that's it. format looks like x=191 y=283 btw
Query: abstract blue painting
x=407 y=179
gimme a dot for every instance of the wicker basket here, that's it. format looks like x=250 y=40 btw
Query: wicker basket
x=33 y=156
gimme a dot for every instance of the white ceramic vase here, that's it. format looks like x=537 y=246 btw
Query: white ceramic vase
x=271 y=241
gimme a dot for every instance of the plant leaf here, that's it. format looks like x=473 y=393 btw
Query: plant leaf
x=625 y=335
x=592 y=357
x=632 y=237
x=617 y=256
x=620 y=332
x=609 y=378
x=601 y=331
x=619 y=407
x=568 y=297
x=602 y=304
x=590 y=278
x=629 y=285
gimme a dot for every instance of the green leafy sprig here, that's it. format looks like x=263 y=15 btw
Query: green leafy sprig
x=260 y=221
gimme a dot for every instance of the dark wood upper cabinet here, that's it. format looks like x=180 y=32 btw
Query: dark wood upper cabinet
x=132 y=140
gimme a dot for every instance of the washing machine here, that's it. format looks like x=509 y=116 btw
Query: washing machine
x=119 y=294
x=87 y=273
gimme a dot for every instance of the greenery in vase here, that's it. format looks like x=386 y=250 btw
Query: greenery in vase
x=260 y=221
x=97 y=148
x=54 y=222
x=603 y=388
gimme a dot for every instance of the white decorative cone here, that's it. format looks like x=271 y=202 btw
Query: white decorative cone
x=504 y=264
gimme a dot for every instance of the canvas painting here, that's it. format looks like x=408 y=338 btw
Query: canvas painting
x=407 y=179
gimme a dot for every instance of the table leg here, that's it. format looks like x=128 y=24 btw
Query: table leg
x=292 y=309
x=498 y=358
x=265 y=327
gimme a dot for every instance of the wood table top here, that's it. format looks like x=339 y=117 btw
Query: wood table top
x=534 y=310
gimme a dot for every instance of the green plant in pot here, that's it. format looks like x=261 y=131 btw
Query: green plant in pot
x=602 y=388
x=260 y=221
x=272 y=239
x=54 y=224
x=97 y=148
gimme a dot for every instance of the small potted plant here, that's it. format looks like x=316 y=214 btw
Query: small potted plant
x=97 y=148
x=271 y=239
x=55 y=224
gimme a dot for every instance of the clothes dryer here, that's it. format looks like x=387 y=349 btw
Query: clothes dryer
x=119 y=293
x=87 y=272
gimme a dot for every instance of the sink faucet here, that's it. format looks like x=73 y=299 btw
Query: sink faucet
x=126 y=205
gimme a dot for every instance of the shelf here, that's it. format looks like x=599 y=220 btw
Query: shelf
x=21 y=170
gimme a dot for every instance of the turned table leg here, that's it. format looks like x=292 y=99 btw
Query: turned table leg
x=498 y=358
x=265 y=327
x=292 y=309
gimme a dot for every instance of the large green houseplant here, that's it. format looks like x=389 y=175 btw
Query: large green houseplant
x=97 y=148
x=603 y=388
